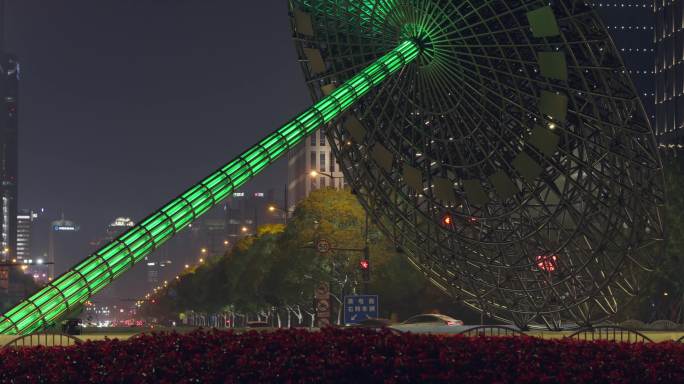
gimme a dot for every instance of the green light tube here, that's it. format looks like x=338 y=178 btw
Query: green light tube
x=88 y=277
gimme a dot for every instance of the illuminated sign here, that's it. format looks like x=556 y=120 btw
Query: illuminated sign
x=238 y=194
x=64 y=228
x=258 y=194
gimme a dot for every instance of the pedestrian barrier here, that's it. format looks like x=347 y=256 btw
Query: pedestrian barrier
x=44 y=339
x=663 y=325
x=492 y=330
x=610 y=333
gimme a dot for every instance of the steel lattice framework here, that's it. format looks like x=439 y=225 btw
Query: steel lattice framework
x=500 y=143
x=512 y=162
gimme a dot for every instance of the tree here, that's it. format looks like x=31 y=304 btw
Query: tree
x=275 y=272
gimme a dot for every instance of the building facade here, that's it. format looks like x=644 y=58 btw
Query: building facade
x=25 y=219
x=669 y=39
x=9 y=89
x=313 y=154
x=63 y=244
x=632 y=24
x=245 y=212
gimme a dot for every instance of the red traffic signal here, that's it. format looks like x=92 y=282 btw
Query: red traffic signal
x=364 y=264
x=447 y=220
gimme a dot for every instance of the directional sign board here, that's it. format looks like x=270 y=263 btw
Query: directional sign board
x=360 y=307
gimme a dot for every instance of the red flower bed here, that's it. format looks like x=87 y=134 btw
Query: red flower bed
x=343 y=356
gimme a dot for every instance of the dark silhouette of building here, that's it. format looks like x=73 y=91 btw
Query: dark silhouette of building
x=9 y=109
x=63 y=244
x=669 y=39
x=246 y=211
x=25 y=219
x=631 y=23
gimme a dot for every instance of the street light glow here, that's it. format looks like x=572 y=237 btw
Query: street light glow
x=313 y=174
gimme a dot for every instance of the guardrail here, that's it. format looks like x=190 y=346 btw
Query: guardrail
x=44 y=339
x=492 y=330
x=610 y=333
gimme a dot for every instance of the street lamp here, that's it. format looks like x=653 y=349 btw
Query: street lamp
x=314 y=174
x=274 y=207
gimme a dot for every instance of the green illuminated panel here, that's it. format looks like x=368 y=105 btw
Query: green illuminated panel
x=74 y=287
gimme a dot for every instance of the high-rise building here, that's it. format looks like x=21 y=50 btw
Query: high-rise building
x=9 y=91
x=63 y=245
x=313 y=154
x=669 y=39
x=246 y=211
x=125 y=286
x=25 y=220
x=631 y=23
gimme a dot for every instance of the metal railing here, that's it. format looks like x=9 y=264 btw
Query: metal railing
x=44 y=339
x=610 y=333
x=492 y=330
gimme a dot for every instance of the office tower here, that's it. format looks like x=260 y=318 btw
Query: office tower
x=631 y=23
x=126 y=285
x=669 y=38
x=25 y=220
x=63 y=245
x=246 y=211
x=9 y=109
x=314 y=154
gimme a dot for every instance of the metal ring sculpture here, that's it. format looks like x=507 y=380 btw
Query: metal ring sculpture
x=512 y=162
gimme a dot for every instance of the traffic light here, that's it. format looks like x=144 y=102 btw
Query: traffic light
x=447 y=221
x=364 y=265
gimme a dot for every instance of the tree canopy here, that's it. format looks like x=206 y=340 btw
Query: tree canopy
x=277 y=270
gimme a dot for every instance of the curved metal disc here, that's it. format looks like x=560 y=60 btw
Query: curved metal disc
x=513 y=162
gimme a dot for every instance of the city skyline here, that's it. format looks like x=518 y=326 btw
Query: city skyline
x=153 y=88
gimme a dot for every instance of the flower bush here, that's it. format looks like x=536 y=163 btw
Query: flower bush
x=335 y=355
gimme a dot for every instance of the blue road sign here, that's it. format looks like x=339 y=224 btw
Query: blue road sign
x=359 y=308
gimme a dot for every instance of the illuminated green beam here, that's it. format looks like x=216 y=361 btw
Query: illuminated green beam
x=77 y=285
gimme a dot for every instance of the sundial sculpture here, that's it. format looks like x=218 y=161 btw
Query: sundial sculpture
x=500 y=143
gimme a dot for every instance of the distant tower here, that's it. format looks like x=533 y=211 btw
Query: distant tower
x=9 y=84
x=24 y=228
x=669 y=36
x=60 y=243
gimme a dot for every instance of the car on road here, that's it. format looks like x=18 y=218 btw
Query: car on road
x=257 y=324
x=430 y=323
x=434 y=319
x=375 y=323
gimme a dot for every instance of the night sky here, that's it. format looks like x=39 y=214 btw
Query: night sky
x=126 y=103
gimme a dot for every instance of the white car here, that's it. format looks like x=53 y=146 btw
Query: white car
x=430 y=323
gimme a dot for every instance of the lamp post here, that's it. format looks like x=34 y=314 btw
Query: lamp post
x=273 y=207
x=314 y=174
